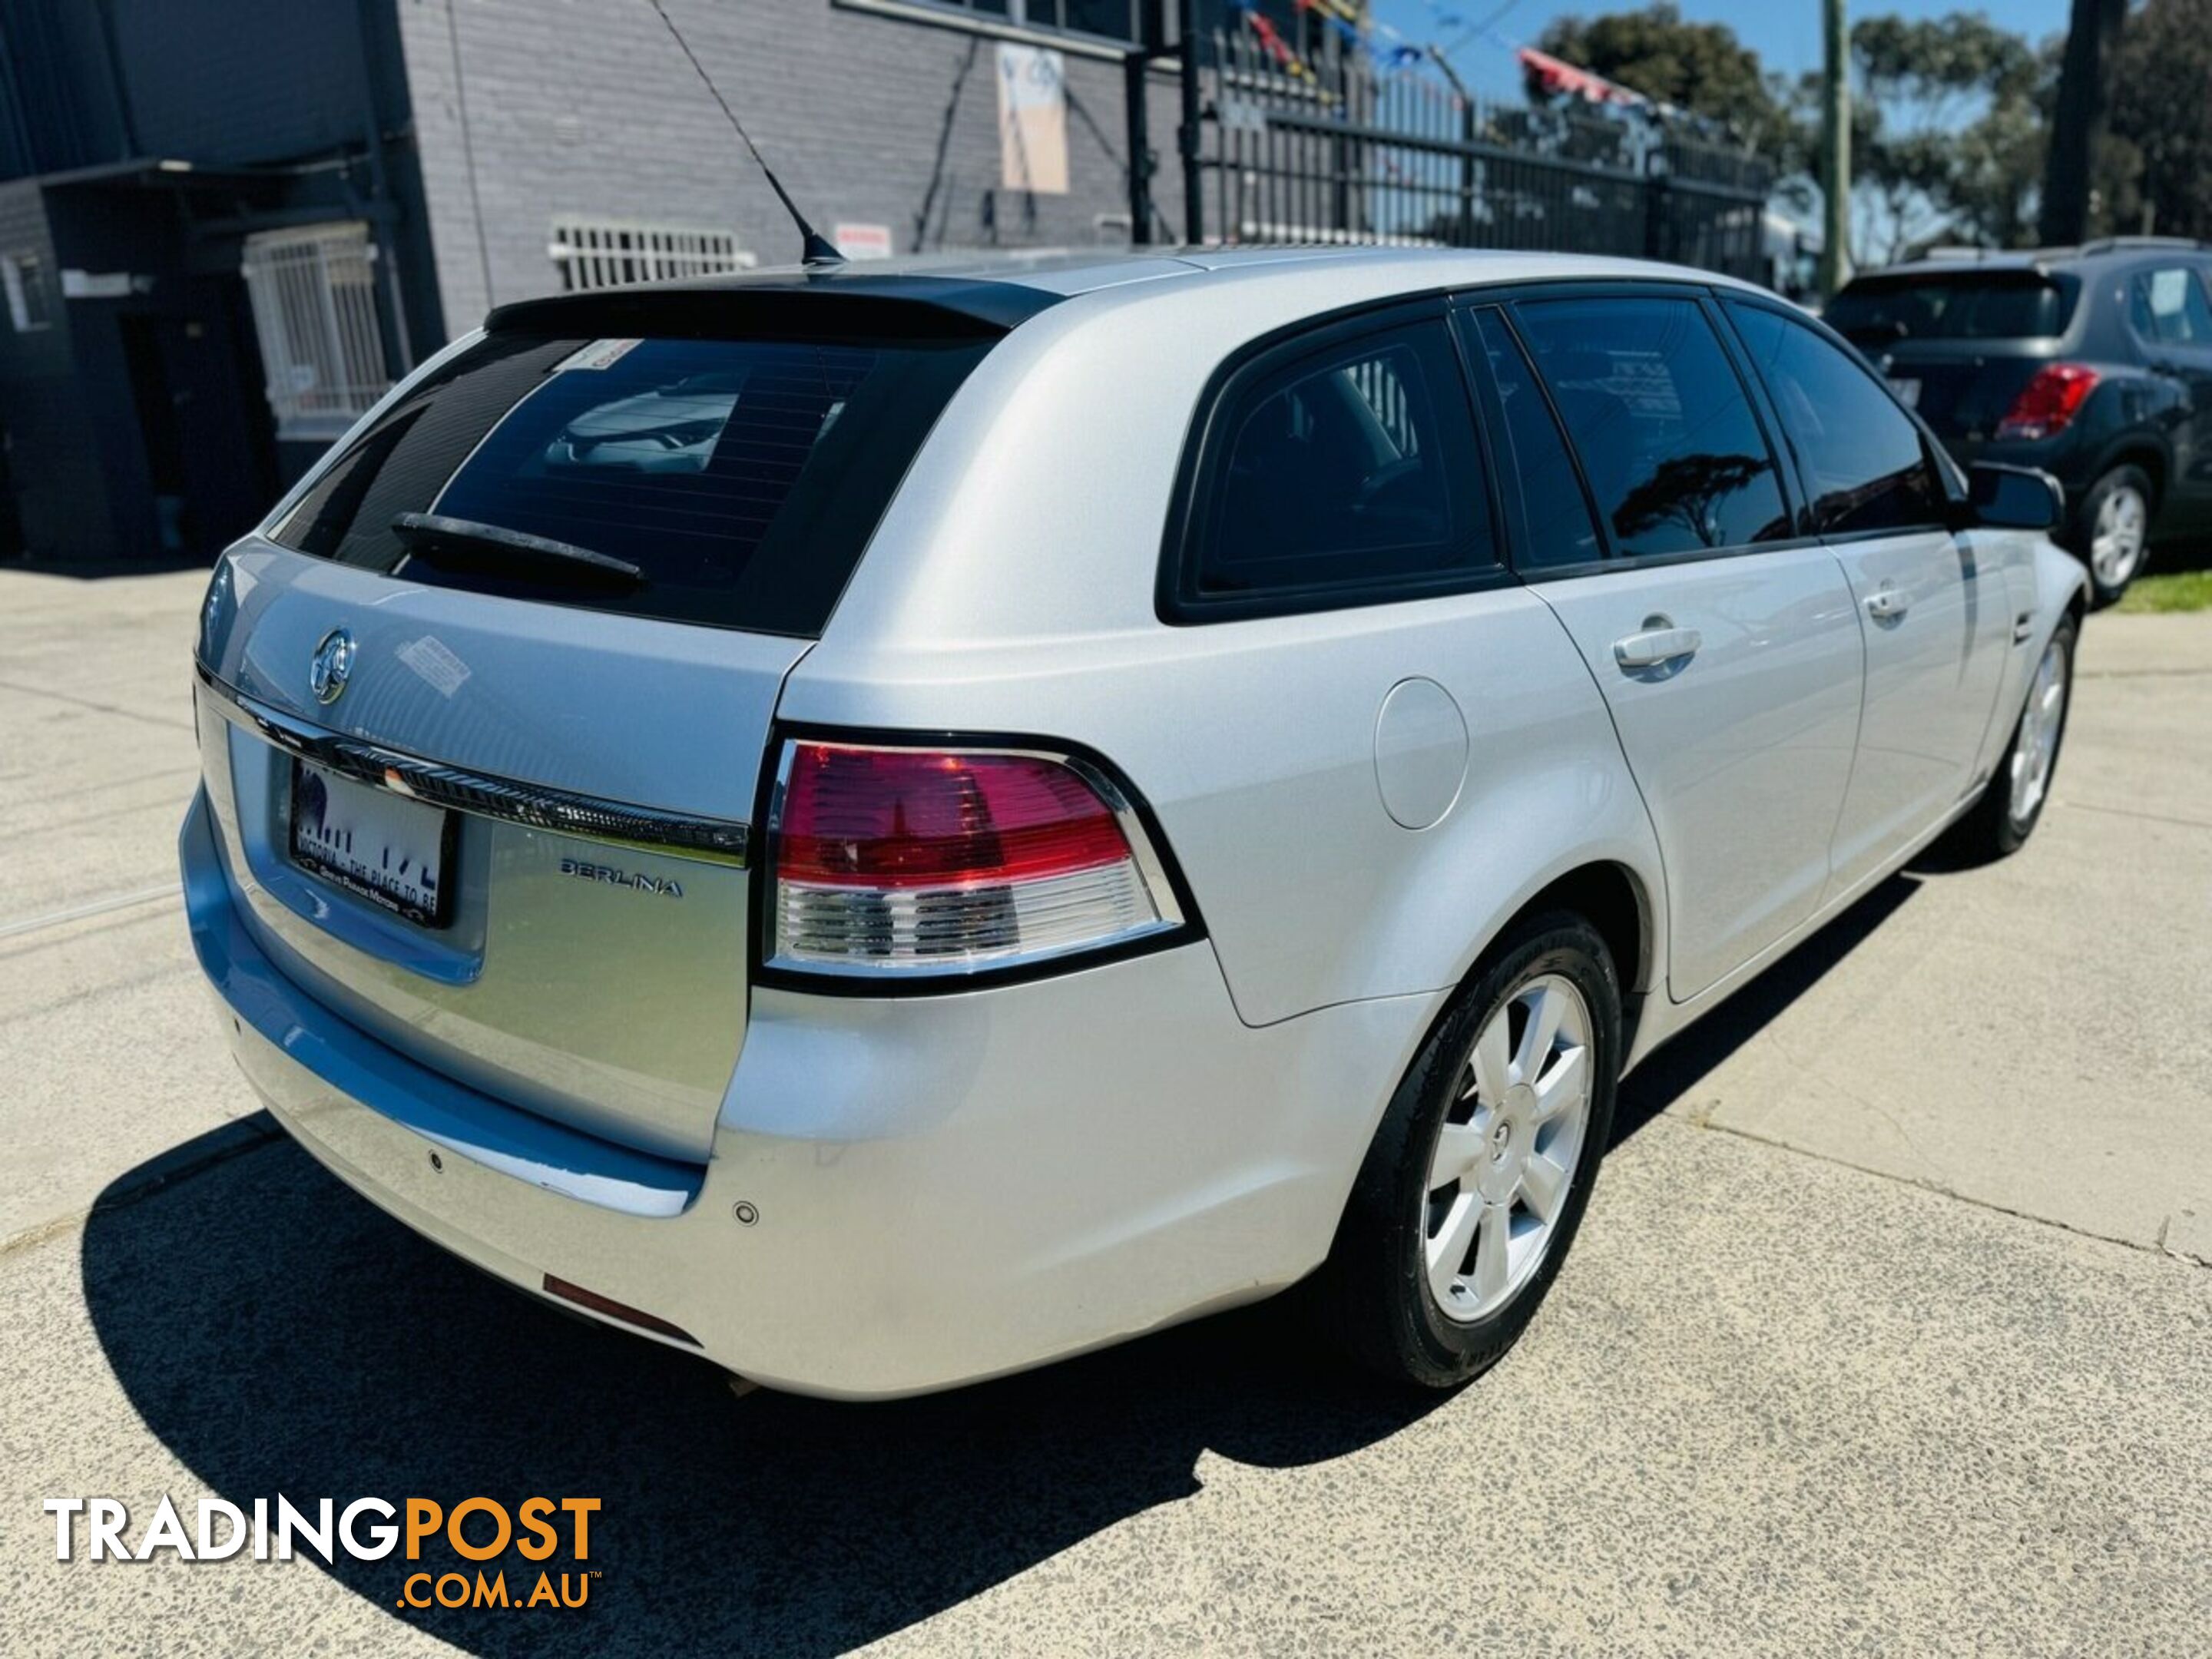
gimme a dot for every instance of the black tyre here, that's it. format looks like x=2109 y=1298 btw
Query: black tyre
x=2110 y=531
x=2011 y=803
x=1471 y=1193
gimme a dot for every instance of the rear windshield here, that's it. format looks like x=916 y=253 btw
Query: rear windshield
x=1881 y=312
x=740 y=478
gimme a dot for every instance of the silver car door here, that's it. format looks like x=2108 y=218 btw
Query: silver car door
x=1937 y=628
x=1731 y=665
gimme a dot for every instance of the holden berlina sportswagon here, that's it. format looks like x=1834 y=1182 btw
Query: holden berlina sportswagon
x=887 y=828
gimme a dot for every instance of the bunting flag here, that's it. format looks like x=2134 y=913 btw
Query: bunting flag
x=1342 y=19
x=1271 y=38
x=1556 y=75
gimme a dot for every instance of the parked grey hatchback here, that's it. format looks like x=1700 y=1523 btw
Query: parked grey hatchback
x=889 y=827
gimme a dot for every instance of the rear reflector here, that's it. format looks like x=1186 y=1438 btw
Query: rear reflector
x=2050 y=401
x=898 y=862
x=614 y=1309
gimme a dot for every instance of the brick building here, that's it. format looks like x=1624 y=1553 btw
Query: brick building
x=227 y=225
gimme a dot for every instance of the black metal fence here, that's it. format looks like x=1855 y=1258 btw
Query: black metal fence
x=1326 y=147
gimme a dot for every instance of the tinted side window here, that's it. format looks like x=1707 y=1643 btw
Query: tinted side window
x=1349 y=467
x=1667 y=437
x=1861 y=456
x=1556 y=526
x=2169 y=305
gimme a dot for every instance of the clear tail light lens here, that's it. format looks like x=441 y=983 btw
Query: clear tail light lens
x=895 y=863
x=2047 y=402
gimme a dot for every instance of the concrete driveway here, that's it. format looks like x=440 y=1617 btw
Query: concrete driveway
x=1890 y=1328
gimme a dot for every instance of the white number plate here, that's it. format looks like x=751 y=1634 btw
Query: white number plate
x=375 y=843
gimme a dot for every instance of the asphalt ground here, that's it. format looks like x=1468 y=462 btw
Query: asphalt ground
x=1889 y=1329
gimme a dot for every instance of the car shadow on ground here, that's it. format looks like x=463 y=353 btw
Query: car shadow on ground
x=278 y=1334
x=1677 y=1068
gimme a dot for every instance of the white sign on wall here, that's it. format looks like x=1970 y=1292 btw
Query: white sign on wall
x=1033 y=119
x=863 y=241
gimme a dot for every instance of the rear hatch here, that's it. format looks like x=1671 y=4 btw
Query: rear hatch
x=482 y=717
x=1957 y=346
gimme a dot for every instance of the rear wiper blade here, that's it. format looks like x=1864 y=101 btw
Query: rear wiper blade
x=489 y=544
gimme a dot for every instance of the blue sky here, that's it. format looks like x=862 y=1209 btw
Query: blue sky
x=1786 y=33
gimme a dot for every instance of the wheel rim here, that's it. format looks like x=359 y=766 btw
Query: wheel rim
x=2115 y=539
x=2035 y=750
x=1506 y=1153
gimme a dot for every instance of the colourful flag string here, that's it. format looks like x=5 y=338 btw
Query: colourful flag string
x=1272 y=41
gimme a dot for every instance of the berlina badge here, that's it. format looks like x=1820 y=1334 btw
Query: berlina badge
x=333 y=661
x=666 y=886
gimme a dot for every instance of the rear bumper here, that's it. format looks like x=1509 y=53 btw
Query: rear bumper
x=940 y=1189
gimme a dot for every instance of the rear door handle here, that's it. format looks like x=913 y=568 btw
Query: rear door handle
x=1888 y=603
x=1652 y=645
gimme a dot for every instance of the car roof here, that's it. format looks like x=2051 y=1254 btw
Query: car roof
x=2039 y=261
x=1069 y=271
x=997 y=290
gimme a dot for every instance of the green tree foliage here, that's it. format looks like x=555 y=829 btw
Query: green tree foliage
x=2155 y=171
x=1952 y=111
x=1951 y=117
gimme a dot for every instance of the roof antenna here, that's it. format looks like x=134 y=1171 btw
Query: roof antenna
x=814 y=250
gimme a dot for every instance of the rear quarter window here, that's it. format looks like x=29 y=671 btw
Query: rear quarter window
x=1338 y=470
x=2168 y=306
x=742 y=478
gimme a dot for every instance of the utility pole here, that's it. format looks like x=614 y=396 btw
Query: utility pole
x=1835 y=148
x=1187 y=135
x=1136 y=95
x=2078 y=120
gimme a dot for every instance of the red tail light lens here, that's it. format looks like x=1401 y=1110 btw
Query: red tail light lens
x=904 y=817
x=895 y=861
x=2047 y=402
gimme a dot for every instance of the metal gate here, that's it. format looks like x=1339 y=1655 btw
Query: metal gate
x=1326 y=147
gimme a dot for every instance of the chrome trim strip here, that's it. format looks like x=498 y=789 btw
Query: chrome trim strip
x=480 y=794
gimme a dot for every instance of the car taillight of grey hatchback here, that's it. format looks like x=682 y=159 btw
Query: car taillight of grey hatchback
x=890 y=862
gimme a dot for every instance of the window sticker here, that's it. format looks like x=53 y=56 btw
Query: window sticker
x=600 y=354
x=2169 y=292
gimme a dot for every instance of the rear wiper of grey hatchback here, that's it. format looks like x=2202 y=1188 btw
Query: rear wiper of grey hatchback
x=489 y=546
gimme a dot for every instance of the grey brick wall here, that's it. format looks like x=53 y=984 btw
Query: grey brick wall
x=586 y=106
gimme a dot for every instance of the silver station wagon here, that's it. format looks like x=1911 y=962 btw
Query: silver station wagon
x=887 y=827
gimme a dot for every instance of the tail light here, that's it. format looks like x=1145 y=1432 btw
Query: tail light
x=895 y=863
x=2048 y=401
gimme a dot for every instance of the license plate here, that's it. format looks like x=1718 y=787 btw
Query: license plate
x=375 y=843
x=1908 y=392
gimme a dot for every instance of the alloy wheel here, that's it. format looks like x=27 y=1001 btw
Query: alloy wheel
x=1507 y=1151
x=2035 y=749
x=2117 y=538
